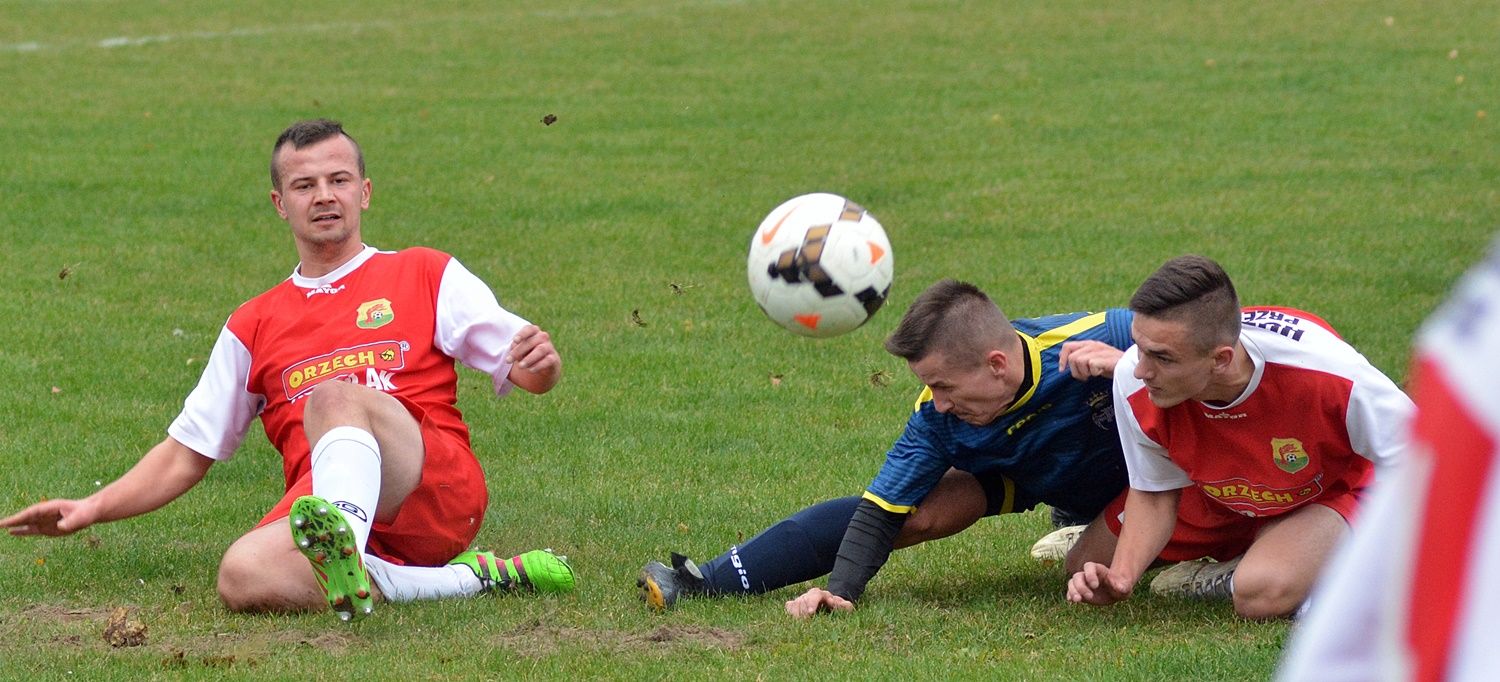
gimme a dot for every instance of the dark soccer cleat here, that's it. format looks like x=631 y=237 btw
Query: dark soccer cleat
x=661 y=586
x=1201 y=579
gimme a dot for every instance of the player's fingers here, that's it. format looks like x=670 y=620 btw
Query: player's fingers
x=1078 y=591
x=538 y=358
x=524 y=340
x=27 y=516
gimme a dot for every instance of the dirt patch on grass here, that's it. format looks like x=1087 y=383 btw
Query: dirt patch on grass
x=105 y=627
x=53 y=613
x=536 y=640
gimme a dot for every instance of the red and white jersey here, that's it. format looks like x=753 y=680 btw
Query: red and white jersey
x=1314 y=421
x=1411 y=595
x=394 y=321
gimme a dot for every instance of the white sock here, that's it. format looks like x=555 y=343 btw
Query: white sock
x=346 y=473
x=410 y=583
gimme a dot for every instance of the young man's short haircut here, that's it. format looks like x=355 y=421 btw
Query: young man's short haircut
x=304 y=134
x=954 y=319
x=1195 y=291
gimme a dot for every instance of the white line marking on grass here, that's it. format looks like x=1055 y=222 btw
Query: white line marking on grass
x=115 y=42
x=137 y=41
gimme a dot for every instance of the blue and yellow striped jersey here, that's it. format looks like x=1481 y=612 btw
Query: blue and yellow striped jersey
x=1057 y=443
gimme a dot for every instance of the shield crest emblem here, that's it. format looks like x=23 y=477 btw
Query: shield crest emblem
x=374 y=314
x=1288 y=454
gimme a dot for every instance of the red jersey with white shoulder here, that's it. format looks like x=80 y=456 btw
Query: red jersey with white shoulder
x=1314 y=420
x=393 y=321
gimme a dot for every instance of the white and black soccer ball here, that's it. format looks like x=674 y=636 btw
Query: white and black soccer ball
x=820 y=265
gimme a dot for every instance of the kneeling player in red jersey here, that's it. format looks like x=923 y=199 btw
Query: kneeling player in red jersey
x=1249 y=437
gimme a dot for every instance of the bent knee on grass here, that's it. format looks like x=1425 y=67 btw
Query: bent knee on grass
x=1261 y=592
x=262 y=572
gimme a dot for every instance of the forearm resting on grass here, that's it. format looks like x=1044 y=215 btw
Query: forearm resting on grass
x=1149 y=520
x=165 y=472
x=866 y=545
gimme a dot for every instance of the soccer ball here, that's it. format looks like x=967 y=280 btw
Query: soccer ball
x=820 y=265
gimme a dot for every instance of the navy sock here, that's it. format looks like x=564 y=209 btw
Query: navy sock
x=800 y=548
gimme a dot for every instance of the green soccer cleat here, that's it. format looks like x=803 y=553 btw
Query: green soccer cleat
x=539 y=570
x=323 y=536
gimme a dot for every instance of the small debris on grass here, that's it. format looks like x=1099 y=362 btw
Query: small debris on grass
x=121 y=631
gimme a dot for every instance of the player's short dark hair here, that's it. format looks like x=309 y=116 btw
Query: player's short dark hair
x=307 y=133
x=1195 y=291
x=954 y=319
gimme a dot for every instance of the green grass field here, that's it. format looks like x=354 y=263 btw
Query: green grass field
x=1338 y=156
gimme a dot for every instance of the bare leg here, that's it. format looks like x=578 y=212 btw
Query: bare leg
x=1279 y=569
x=957 y=502
x=263 y=570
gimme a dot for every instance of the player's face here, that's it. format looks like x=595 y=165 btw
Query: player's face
x=321 y=193
x=1173 y=368
x=975 y=394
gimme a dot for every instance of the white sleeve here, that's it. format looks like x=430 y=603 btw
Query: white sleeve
x=1146 y=460
x=217 y=414
x=471 y=325
x=1378 y=419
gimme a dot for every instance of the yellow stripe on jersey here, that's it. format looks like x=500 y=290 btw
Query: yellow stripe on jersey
x=1032 y=348
x=922 y=397
x=896 y=508
x=1048 y=339
x=1009 y=504
x=1052 y=337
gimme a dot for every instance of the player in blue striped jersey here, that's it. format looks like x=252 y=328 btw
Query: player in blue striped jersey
x=1015 y=414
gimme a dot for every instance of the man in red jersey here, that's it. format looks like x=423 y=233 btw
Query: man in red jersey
x=1410 y=596
x=1249 y=437
x=349 y=363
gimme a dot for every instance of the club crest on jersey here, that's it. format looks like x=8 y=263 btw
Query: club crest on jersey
x=374 y=314
x=1288 y=454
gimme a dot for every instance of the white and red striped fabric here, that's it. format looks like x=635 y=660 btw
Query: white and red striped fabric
x=1410 y=596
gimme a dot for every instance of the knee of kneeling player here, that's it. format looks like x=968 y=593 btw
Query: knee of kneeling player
x=1267 y=596
x=236 y=586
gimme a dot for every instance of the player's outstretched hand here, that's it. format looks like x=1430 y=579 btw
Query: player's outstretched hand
x=531 y=349
x=53 y=517
x=535 y=364
x=815 y=600
x=1096 y=584
x=1087 y=359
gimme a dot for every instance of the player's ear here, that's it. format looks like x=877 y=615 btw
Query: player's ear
x=365 y=187
x=997 y=361
x=1223 y=358
x=276 y=203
